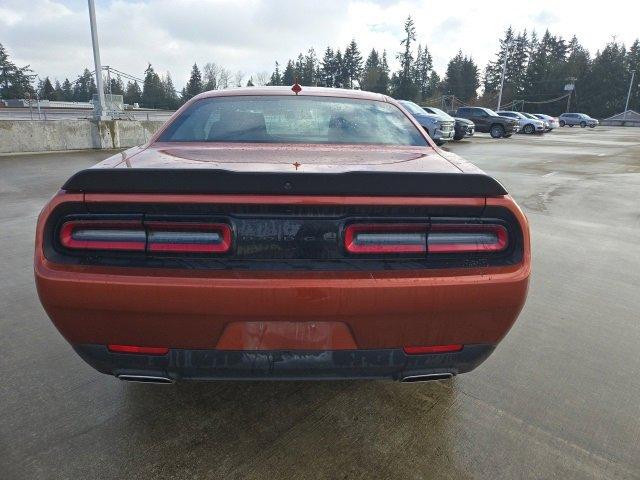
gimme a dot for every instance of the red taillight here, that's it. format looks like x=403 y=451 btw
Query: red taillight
x=386 y=238
x=127 y=235
x=466 y=238
x=136 y=349
x=420 y=350
x=188 y=237
x=155 y=236
x=422 y=238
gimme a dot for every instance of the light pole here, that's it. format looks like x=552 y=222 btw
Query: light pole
x=504 y=71
x=101 y=112
x=626 y=108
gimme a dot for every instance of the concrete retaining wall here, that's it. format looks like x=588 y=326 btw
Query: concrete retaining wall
x=45 y=136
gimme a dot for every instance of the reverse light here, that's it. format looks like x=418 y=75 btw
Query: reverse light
x=466 y=238
x=187 y=237
x=124 y=235
x=386 y=238
x=138 y=350
x=421 y=350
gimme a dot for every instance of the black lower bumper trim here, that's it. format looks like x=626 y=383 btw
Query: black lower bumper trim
x=180 y=364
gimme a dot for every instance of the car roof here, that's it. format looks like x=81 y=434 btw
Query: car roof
x=305 y=91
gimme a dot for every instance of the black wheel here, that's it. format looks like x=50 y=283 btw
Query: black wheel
x=592 y=126
x=439 y=142
x=583 y=124
x=496 y=131
x=457 y=138
x=562 y=123
x=529 y=129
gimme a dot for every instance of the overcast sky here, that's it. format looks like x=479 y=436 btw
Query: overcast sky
x=53 y=35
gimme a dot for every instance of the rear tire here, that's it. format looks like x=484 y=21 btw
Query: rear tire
x=583 y=124
x=496 y=131
x=457 y=138
x=439 y=142
x=562 y=123
x=529 y=129
x=592 y=126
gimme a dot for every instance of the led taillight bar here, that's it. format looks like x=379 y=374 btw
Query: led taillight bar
x=398 y=238
x=386 y=238
x=124 y=235
x=466 y=238
x=188 y=237
x=133 y=235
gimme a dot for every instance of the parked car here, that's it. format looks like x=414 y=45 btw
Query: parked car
x=270 y=233
x=545 y=124
x=581 y=119
x=441 y=128
x=551 y=121
x=463 y=127
x=488 y=121
x=527 y=125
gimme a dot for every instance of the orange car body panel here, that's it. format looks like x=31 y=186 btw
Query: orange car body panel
x=192 y=308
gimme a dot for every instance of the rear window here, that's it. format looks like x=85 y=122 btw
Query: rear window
x=288 y=119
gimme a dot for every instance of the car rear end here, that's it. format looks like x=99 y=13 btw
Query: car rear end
x=251 y=286
x=206 y=261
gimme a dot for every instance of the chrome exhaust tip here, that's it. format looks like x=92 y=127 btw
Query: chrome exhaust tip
x=429 y=377
x=145 y=379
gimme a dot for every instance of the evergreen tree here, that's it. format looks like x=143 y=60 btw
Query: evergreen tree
x=633 y=63
x=276 y=78
x=328 y=72
x=493 y=70
x=46 y=90
x=352 y=64
x=84 y=87
x=604 y=89
x=383 y=79
x=116 y=86
x=289 y=75
x=404 y=84
x=152 y=89
x=170 y=96
x=462 y=78
x=15 y=82
x=341 y=81
x=371 y=72
x=308 y=69
x=132 y=94
x=194 y=86
x=250 y=82
x=422 y=71
x=58 y=94
x=67 y=91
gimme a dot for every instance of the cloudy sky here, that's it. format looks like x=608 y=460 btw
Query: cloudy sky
x=249 y=35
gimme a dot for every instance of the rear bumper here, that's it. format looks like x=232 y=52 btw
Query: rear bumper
x=203 y=365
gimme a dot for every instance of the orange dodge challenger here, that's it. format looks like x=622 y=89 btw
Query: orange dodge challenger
x=283 y=233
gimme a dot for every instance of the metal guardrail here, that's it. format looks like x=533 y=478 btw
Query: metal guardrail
x=25 y=113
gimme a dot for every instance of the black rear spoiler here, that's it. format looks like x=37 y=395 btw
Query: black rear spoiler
x=212 y=181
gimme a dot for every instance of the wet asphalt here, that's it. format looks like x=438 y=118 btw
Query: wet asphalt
x=560 y=397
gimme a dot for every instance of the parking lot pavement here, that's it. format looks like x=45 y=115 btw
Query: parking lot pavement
x=560 y=397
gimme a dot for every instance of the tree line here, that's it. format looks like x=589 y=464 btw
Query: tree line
x=537 y=70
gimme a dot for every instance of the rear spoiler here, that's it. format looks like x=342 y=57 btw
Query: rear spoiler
x=213 y=181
